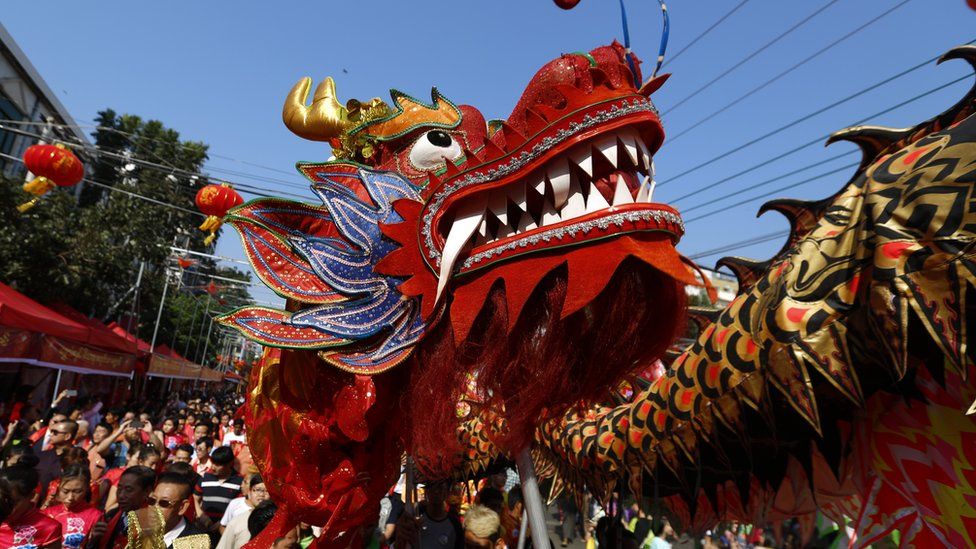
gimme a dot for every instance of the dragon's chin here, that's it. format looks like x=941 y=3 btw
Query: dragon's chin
x=536 y=367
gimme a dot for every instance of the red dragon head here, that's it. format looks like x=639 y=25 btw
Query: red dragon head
x=526 y=253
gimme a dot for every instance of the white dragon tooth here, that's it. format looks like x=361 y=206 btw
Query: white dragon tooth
x=645 y=155
x=643 y=193
x=629 y=142
x=559 y=177
x=549 y=215
x=482 y=237
x=539 y=183
x=650 y=193
x=465 y=224
x=576 y=204
x=584 y=159
x=595 y=201
x=608 y=148
x=652 y=171
x=621 y=194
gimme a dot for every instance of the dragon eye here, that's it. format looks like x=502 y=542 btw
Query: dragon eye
x=433 y=148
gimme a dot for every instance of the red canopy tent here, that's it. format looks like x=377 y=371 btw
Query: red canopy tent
x=34 y=334
x=101 y=335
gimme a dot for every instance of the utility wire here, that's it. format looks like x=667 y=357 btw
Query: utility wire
x=251 y=189
x=774 y=191
x=118 y=190
x=157 y=140
x=789 y=70
x=817 y=140
x=705 y=32
x=741 y=244
x=806 y=117
x=749 y=57
x=699 y=205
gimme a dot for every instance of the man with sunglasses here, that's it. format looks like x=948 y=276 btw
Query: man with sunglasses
x=173 y=497
x=49 y=461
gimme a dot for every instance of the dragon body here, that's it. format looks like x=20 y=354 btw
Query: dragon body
x=521 y=268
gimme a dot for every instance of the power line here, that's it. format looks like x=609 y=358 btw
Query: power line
x=816 y=140
x=250 y=189
x=705 y=32
x=179 y=144
x=774 y=191
x=741 y=244
x=789 y=70
x=123 y=191
x=749 y=57
x=806 y=117
x=817 y=164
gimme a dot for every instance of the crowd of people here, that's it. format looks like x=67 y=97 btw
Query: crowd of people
x=76 y=473
x=73 y=473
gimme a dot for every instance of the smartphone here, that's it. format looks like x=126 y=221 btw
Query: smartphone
x=71 y=393
x=136 y=424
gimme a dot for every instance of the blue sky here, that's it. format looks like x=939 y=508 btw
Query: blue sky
x=219 y=71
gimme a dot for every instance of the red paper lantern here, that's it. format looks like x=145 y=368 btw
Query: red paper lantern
x=53 y=166
x=215 y=201
x=184 y=262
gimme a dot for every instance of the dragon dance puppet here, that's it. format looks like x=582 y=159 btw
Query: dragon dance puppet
x=528 y=255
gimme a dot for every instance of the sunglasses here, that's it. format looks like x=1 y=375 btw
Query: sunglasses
x=162 y=503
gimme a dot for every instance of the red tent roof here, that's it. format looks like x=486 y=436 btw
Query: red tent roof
x=101 y=335
x=21 y=312
x=123 y=333
x=165 y=350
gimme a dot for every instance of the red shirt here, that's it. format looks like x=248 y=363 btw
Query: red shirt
x=29 y=530
x=172 y=440
x=113 y=475
x=76 y=524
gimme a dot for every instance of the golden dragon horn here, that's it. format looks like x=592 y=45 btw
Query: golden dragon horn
x=324 y=120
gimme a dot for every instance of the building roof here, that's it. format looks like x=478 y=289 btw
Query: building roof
x=9 y=47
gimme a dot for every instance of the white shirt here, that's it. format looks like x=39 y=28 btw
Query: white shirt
x=236 y=534
x=231 y=438
x=170 y=537
x=234 y=508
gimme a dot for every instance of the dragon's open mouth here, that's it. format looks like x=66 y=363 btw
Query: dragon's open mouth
x=595 y=186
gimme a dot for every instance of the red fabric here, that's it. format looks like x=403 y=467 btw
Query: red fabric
x=20 y=311
x=141 y=345
x=101 y=335
x=75 y=524
x=113 y=475
x=29 y=530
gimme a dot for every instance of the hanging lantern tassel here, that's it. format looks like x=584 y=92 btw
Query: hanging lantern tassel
x=38 y=187
x=211 y=225
x=55 y=166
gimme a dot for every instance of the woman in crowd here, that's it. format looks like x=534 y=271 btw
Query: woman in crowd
x=25 y=525
x=74 y=510
x=72 y=457
x=170 y=435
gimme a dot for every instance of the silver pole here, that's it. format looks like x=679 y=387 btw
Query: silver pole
x=532 y=500
x=525 y=521
x=57 y=385
x=159 y=315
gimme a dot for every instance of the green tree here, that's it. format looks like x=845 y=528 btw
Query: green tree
x=86 y=250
